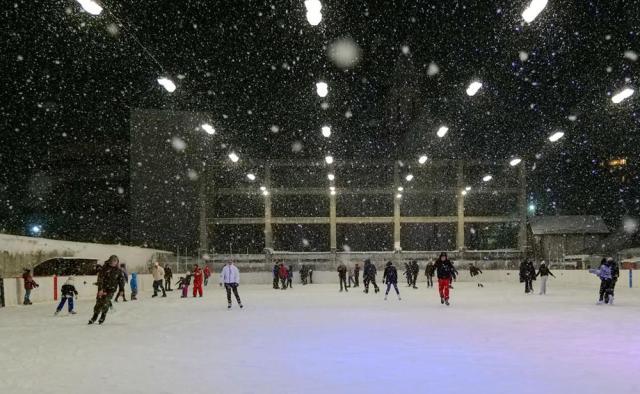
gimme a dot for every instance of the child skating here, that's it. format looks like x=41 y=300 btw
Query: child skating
x=444 y=271
x=67 y=294
x=390 y=277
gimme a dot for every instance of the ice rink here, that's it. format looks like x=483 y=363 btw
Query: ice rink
x=314 y=339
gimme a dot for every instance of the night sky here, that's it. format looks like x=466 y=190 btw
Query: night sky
x=71 y=79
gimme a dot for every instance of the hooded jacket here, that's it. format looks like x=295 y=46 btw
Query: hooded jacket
x=230 y=274
x=369 y=271
x=68 y=289
x=390 y=274
x=444 y=269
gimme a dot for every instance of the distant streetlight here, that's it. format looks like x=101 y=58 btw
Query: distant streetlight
x=331 y=177
x=423 y=159
x=473 y=88
x=623 y=95
x=556 y=136
x=167 y=84
x=90 y=6
x=251 y=177
x=234 y=157
x=515 y=161
x=265 y=192
x=468 y=188
x=464 y=192
x=534 y=9
x=442 y=131
x=328 y=159
x=208 y=128
x=400 y=188
x=36 y=229
x=487 y=178
x=332 y=192
x=398 y=195
x=263 y=188
x=532 y=207
x=322 y=89
x=409 y=177
x=326 y=131
x=314 y=14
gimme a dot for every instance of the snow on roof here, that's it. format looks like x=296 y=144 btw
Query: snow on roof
x=579 y=224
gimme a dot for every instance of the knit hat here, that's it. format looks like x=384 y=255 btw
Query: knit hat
x=69 y=281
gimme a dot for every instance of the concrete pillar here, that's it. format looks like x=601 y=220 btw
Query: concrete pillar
x=268 y=231
x=204 y=234
x=333 y=243
x=460 y=199
x=522 y=207
x=397 y=245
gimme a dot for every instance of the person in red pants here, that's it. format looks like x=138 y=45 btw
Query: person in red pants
x=444 y=271
x=198 y=278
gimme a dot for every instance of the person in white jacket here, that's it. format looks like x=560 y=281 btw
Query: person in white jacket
x=158 y=276
x=230 y=277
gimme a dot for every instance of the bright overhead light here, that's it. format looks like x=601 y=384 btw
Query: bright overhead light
x=314 y=16
x=409 y=177
x=90 y=6
x=322 y=89
x=487 y=178
x=534 y=9
x=326 y=131
x=473 y=88
x=442 y=131
x=36 y=229
x=265 y=192
x=208 y=128
x=464 y=192
x=332 y=188
x=313 y=5
x=331 y=177
x=251 y=177
x=468 y=188
x=423 y=159
x=623 y=95
x=328 y=159
x=514 y=162
x=556 y=136
x=532 y=207
x=332 y=192
x=400 y=188
x=234 y=157
x=398 y=195
x=263 y=188
x=167 y=84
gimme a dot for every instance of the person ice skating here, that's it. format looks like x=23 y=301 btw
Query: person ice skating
x=429 y=272
x=527 y=275
x=158 y=276
x=67 y=294
x=108 y=280
x=475 y=271
x=407 y=274
x=198 y=278
x=207 y=274
x=369 y=276
x=303 y=274
x=168 y=276
x=183 y=284
x=615 y=274
x=454 y=277
x=390 y=278
x=606 y=279
x=290 y=277
x=543 y=273
x=134 y=286
x=350 y=281
x=276 y=268
x=342 y=276
x=123 y=280
x=356 y=275
x=283 y=274
x=415 y=270
x=444 y=270
x=29 y=284
x=230 y=277
x=310 y=275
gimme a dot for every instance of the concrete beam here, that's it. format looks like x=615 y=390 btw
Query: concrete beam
x=391 y=190
x=366 y=219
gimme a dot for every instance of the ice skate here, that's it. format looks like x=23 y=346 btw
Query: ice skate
x=446 y=302
x=72 y=312
x=229 y=306
x=241 y=306
x=611 y=300
x=600 y=302
x=385 y=297
x=399 y=299
x=442 y=300
x=56 y=313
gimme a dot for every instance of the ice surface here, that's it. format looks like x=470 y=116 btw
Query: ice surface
x=314 y=339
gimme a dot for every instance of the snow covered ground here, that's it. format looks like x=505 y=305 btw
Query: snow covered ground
x=314 y=339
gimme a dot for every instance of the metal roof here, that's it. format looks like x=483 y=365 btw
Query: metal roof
x=579 y=224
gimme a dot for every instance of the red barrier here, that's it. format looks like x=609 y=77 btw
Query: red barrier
x=55 y=287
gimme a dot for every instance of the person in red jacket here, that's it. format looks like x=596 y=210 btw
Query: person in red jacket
x=283 y=274
x=29 y=284
x=207 y=274
x=197 y=280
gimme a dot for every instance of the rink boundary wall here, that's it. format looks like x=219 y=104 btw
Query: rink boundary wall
x=14 y=287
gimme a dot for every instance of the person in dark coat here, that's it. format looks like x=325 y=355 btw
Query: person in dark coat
x=290 y=277
x=415 y=270
x=29 y=284
x=429 y=272
x=67 y=294
x=303 y=274
x=183 y=284
x=369 y=276
x=123 y=280
x=407 y=273
x=168 y=276
x=445 y=271
x=342 y=276
x=390 y=278
x=475 y=271
x=283 y=274
x=605 y=274
x=543 y=273
x=527 y=275
x=276 y=268
x=615 y=274
x=108 y=280
x=356 y=275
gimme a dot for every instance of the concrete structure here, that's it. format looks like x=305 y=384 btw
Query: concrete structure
x=553 y=237
x=512 y=184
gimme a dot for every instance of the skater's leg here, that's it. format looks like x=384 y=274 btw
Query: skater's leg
x=61 y=304
x=235 y=293
x=227 y=287
x=395 y=286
